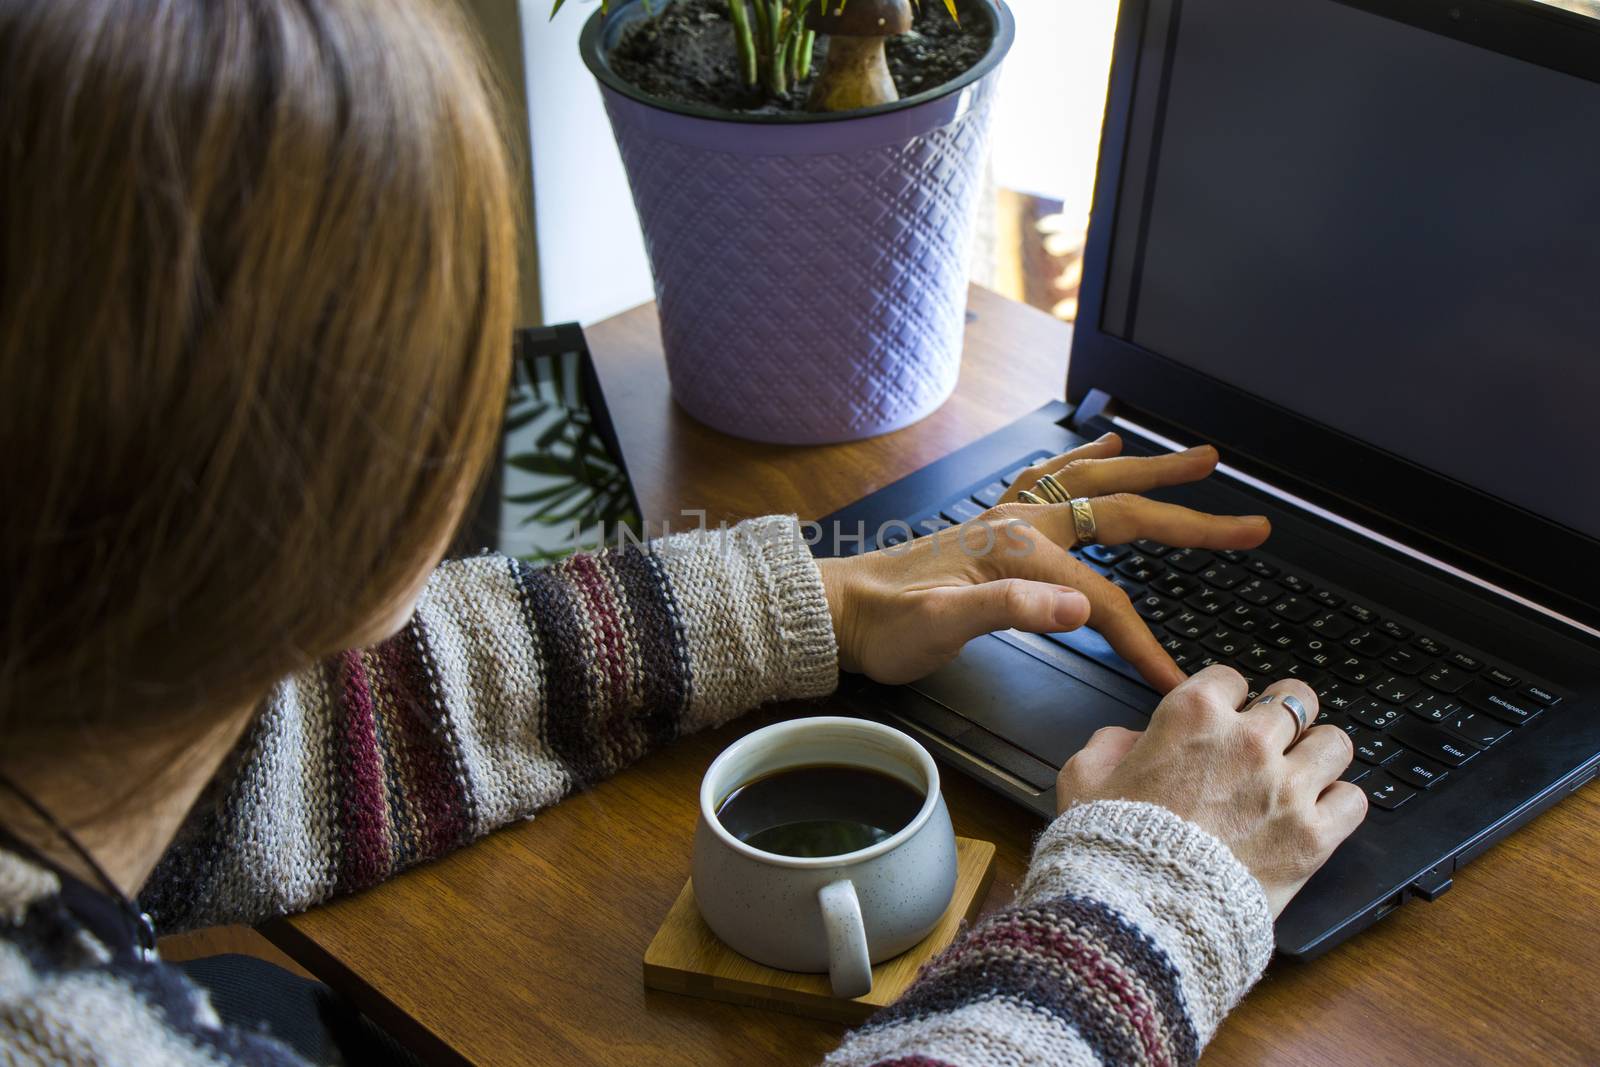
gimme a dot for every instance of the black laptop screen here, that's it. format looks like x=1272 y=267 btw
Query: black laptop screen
x=1390 y=232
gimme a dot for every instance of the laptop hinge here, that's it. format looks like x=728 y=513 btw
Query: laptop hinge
x=1100 y=409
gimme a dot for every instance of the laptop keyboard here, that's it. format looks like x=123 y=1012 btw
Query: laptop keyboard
x=1420 y=708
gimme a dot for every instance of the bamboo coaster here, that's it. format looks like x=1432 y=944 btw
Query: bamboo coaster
x=686 y=957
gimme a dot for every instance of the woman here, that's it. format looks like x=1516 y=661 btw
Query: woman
x=256 y=279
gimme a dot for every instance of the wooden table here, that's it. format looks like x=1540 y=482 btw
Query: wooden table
x=526 y=947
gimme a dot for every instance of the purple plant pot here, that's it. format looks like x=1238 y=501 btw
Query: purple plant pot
x=810 y=270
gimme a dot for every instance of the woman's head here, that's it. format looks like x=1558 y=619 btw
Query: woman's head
x=256 y=287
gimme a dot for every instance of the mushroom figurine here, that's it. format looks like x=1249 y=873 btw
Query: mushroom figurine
x=855 y=73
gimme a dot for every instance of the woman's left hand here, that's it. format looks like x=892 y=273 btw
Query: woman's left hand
x=902 y=612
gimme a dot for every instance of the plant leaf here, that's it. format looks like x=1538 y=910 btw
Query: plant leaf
x=950 y=6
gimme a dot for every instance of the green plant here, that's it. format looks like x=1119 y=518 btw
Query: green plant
x=582 y=485
x=776 y=40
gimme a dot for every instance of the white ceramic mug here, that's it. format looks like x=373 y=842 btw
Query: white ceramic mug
x=839 y=914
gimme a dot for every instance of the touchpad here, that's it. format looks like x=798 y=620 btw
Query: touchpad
x=1031 y=704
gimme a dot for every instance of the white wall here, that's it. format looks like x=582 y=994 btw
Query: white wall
x=1052 y=96
x=591 y=257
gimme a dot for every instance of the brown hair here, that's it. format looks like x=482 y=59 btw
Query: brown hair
x=256 y=291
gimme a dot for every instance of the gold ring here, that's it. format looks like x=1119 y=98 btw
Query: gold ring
x=1029 y=498
x=1051 y=490
x=1084 y=530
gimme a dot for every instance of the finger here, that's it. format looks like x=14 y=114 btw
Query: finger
x=1275 y=720
x=1201 y=700
x=1028 y=554
x=957 y=614
x=1123 y=517
x=1319 y=757
x=1339 y=810
x=1104 y=447
x=1105 y=749
x=1136 y=474
x=1111 y=614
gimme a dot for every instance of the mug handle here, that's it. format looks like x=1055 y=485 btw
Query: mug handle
x=849 y=967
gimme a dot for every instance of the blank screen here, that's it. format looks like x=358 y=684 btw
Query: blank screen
x=1391 y=232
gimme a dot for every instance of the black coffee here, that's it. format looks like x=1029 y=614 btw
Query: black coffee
x=819 y=811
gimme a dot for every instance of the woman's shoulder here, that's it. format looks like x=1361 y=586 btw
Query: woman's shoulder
x=67 y=996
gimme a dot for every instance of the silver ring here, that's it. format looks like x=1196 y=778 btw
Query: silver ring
x=1291 y=704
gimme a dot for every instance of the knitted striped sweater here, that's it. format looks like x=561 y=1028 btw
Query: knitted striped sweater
x=510 y=688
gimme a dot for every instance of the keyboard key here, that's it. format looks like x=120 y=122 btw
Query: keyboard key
x=1417 y=771
x=1188 y=560
x=990 y=494
x=1362 y=614
x=1333 y=627
x=1183 y=653
x=1394 y=689
x=1434 y=707
x=1223 y=575
x=1190 y=624
x=1501 y=678
x=1154 y=607
x=1276 y=632
x=962 y=511
x=1154 y=549
x=928 y=524
x=1106 y=554
x=1430 y=646
x=1373 y=747
x=1480 y=730
x=1294 y=608
x=1404 y=661
x=1355 y=670
x=1226 y=643
x=1355 y=772
x=1445 y=679
x=1384 y=792
x=1505 y=706
x=1368 y=643
x=1244 y=617
x=1259 y=660
x=1542 y=695
x=1259 y=591
x=1209 y=601
x=1433 y=742
x=1317 y=653
x=893 y=535
x=1308 y=674
x=1296 y=584
x=1175 y=585
x=1327 y=598
x=1331 y=717
x=1232 y=555
x=1139 y=568
x=1371 y=713
x=1338 y=696
x=1261 y=568
x=1465 y=662
x=1395 y=630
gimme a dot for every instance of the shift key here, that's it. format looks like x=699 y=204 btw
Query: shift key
x=1505 y=706
x=1433 y=742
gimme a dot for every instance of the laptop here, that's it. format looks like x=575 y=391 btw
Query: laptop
x=1355 y=245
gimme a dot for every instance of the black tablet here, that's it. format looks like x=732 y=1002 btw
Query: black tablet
x=559 y=484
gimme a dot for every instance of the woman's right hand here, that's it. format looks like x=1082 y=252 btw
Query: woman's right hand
x=1243 y=776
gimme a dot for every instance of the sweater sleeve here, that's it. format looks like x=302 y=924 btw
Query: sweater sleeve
x=511 y=687
x=1134 y=933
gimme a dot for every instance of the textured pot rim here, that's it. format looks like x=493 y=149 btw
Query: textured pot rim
x=709 y=802
x=596 y=32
